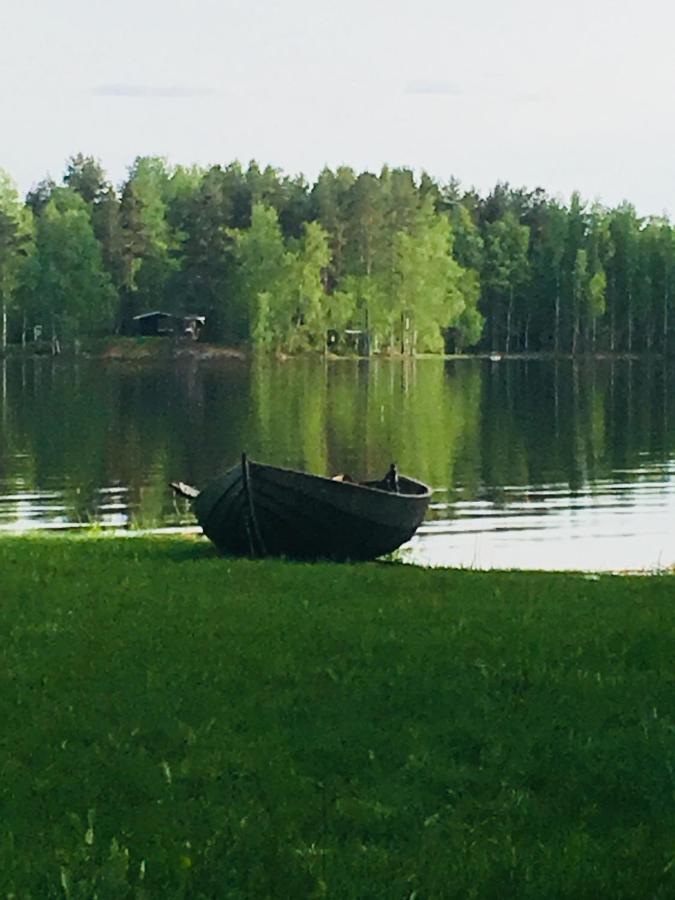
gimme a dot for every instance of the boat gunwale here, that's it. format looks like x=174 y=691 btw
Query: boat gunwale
x=364 y=485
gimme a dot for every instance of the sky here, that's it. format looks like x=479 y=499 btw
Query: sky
x=571 y=96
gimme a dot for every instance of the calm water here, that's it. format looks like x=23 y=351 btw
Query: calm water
x=534 y=464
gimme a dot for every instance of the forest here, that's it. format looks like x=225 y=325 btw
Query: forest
x=385 y=263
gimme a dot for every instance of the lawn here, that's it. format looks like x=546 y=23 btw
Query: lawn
x=179 y=725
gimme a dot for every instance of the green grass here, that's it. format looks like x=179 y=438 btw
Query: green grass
x=179 y=725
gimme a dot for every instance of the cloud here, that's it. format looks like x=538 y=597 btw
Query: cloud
x=152 y=92
x=489 y=92
x=438 y=88
x=531 y=97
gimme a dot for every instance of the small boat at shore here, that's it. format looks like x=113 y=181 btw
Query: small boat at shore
x=260 y=510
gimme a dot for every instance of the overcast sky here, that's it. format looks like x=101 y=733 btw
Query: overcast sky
x=571 y=95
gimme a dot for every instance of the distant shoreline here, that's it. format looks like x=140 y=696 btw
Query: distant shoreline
x=148 y=349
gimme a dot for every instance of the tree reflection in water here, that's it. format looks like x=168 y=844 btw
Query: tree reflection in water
x=508 y=446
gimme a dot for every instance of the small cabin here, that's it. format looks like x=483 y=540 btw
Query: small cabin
x=154 y=324
x=163 y=324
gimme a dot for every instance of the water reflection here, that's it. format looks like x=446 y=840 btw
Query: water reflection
x=533 y=463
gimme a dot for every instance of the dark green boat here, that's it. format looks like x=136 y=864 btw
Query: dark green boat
x=261 y=510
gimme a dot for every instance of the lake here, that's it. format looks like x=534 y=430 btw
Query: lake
x=534 y=463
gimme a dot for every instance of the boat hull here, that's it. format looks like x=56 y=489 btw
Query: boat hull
x=260 y=510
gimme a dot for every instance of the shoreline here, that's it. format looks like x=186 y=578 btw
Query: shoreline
x=141 y=349
x=193 y=535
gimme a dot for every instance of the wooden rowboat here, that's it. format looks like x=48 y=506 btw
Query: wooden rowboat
x=261 y=510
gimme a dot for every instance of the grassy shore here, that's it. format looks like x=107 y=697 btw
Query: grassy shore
x=179 y=725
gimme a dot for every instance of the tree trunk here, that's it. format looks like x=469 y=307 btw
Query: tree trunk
x=3 y=394
x=3 y=328
x=556 y=399
x=630 y=323
x=494 y=347
x=575 y=331
x=575 y=320
x=612 y=323
x=527 y=334
x=56 y=346
x=367 y=324
x=666 y=299
x=509 y=313
x=556 y=332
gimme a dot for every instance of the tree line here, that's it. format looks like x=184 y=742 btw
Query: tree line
x=387 y=263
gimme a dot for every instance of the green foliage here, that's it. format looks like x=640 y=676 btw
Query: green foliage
x=309 y=261
x=506 y=273
x=147 y=239
x=180 y=725
x=201 y=208
x=85 y=176
x=328 y=206
x=282 y=285
x=15 y=237
x=469 y=326
x=596 y=294
x=263 y=266
x=364 y=237
x=107 y=223
x=426 y=289
x=468 y=245
x=38 y=196
x=174 y=239
x=66 y=285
